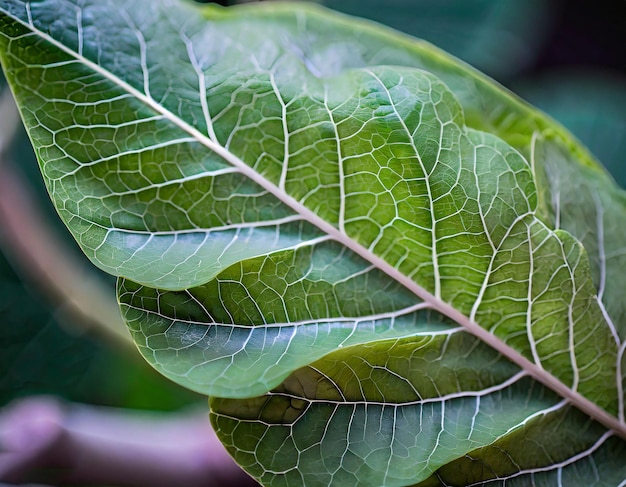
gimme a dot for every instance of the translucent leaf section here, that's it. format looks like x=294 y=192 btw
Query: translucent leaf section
x=247 y=330
x=560 y=447
x=382 y=417
x=396 y=414
x=587 y=204
x=143 y=197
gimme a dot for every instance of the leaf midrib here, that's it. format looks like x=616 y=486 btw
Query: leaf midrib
x=538 y=373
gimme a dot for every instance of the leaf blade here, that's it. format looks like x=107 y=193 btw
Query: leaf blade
x=245 y=123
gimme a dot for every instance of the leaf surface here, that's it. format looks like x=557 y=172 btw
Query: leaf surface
x=364 y=235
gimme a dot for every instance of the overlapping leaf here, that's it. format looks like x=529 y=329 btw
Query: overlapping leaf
x=315 y=207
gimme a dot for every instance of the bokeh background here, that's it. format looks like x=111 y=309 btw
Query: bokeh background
x=566 y=57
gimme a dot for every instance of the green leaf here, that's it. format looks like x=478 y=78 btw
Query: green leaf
x=367 y=252
x=376 y=425
x=311 y=301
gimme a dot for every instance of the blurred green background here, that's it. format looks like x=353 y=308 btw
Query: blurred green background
x=565 y=57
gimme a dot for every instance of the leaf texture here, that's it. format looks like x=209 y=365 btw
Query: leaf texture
x=385 y=268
